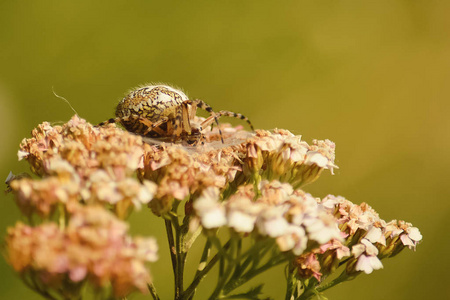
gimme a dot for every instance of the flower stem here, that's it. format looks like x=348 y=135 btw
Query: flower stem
x=310 y=290
x=236 y=282
x=181 y=259
x=33 y=285
x=201 y=266
x=173 y=255
x=152 y=291
x=291 y=282
x=341 y=278
x=201 y=274
x=223 y=278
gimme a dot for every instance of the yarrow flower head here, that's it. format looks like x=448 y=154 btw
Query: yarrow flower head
x=243 y=192
x=92 y=248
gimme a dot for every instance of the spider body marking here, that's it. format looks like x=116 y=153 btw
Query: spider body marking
x=161 y=111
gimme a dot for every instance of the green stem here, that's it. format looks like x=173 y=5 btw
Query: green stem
x=260 y=247
x=33 y=285
x=223 y=278
x=205 y=255
x=189 y=242
x=216 y=242
x=290 y=288
x=341 y=278
x=181 y=259
x=201 y=266
x=344 y=261
x=310 y=290
x=180 y=253
x=307 y=294
x=254 y=253
x=152 y=291
x=236 y=282
x=201 y=274
x=172 y=250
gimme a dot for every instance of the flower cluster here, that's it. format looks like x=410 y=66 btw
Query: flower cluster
x=370 y=237
x=291 y=218
x=94 y=247
x=79 y=162
x=285 y=157
x=365 y=240
x=249 y=186
x=243 y=159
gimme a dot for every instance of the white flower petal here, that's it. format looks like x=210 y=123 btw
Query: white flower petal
x=241 y=222
x=374 y=234
x=368 y=263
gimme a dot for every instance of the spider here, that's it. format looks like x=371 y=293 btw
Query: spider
x=161 y=111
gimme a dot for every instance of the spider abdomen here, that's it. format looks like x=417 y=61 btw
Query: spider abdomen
x=151 y=103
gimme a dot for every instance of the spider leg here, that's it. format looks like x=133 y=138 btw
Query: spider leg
x=153 y=126
x=135 y=126
x=177 y=123
x=202 y=105
x=142 y=125
x=138 y=127
x=208 y=121
x=236 y=115
x=110 y=121
x=186 y=117
x=193 y=110
x=225 y=113
x=118 y=120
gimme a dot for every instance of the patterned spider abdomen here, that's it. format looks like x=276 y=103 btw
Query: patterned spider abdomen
x=152 y=103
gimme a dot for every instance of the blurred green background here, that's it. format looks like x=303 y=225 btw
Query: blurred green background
x=372 y=76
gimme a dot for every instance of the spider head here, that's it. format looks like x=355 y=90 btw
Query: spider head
x=194 y=137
